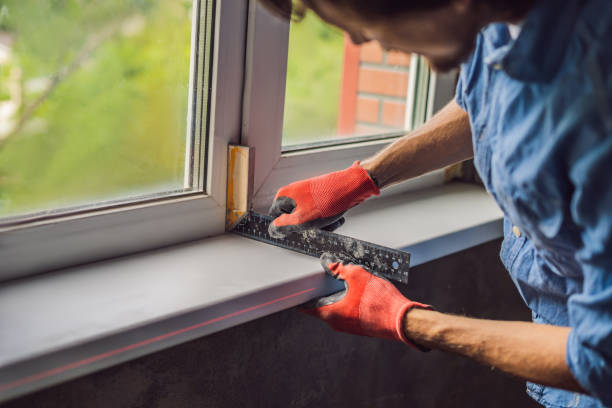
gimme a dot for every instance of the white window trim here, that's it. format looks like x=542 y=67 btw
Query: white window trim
x=53 y=242
x=264 y=96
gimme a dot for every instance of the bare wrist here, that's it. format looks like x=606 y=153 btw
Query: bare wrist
x=369 y=166
x=419 y=326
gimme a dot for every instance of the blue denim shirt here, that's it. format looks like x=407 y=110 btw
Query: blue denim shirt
x=540 y=110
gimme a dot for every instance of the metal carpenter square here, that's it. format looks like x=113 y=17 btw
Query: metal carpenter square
x=390 y=263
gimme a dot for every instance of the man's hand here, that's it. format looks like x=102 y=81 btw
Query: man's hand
x=372 y=306
x=319 y=202
x=369 y=306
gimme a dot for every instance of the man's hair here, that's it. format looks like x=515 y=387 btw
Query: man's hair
x=295 y=9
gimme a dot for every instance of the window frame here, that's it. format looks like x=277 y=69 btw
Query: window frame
x=249 y=62
x=264 y=95
x=56 y=241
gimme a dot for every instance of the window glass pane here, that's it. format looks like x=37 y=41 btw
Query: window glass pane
x=93 y=101
x=338 y=90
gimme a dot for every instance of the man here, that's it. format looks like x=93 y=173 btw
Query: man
x=534 y=108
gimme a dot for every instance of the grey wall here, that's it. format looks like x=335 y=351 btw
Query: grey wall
x=291 y=360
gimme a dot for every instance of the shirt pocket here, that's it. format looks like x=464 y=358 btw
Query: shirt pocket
x=511 y=247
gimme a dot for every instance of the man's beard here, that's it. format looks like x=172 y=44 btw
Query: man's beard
x=447 y=64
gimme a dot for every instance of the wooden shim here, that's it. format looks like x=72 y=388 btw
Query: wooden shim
x=239 y=183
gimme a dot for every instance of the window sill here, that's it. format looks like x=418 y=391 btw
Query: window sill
x=72 y=322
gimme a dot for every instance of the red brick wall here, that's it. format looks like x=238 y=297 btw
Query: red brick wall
x=374 y=89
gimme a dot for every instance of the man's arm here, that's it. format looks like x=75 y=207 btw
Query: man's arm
x=372 y=306
x=445 y=139
x=534 y=352
x=320 y=202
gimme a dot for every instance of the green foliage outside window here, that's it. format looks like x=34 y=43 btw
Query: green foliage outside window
x=99 y=91
x=94 y=94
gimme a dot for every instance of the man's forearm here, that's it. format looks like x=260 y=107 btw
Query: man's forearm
x=445 y=139
x=534 y=352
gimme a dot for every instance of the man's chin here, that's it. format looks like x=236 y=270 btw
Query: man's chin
x=443 y=65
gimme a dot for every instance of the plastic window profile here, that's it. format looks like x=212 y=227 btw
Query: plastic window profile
x=264 y=94
x=54 y=241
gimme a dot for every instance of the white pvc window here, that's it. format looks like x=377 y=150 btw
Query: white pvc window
x=101 y=103
x=230 y=89
x=315 y=103
x=111 y=141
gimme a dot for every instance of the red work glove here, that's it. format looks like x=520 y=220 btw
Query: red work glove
x=319 y=202
x=369 y=306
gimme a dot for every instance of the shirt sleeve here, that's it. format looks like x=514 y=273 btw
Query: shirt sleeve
x=459 y=91
x=589 y=347
x=468 y=72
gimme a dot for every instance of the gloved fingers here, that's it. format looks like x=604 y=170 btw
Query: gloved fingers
x=323 y=301
x=332 y=264
x=282 y=205
x=287 y=223
x=335 y=224
x=333 y=298
x=284 y=225
x=343 y=268
x=286 y=217
x=316 y=307
x=311 y=310
x=327 y=223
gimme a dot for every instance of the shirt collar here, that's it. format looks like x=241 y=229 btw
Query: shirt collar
x=537 y=53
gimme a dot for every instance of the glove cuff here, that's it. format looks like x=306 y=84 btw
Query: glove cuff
x=370 y=186
x=400 y=324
